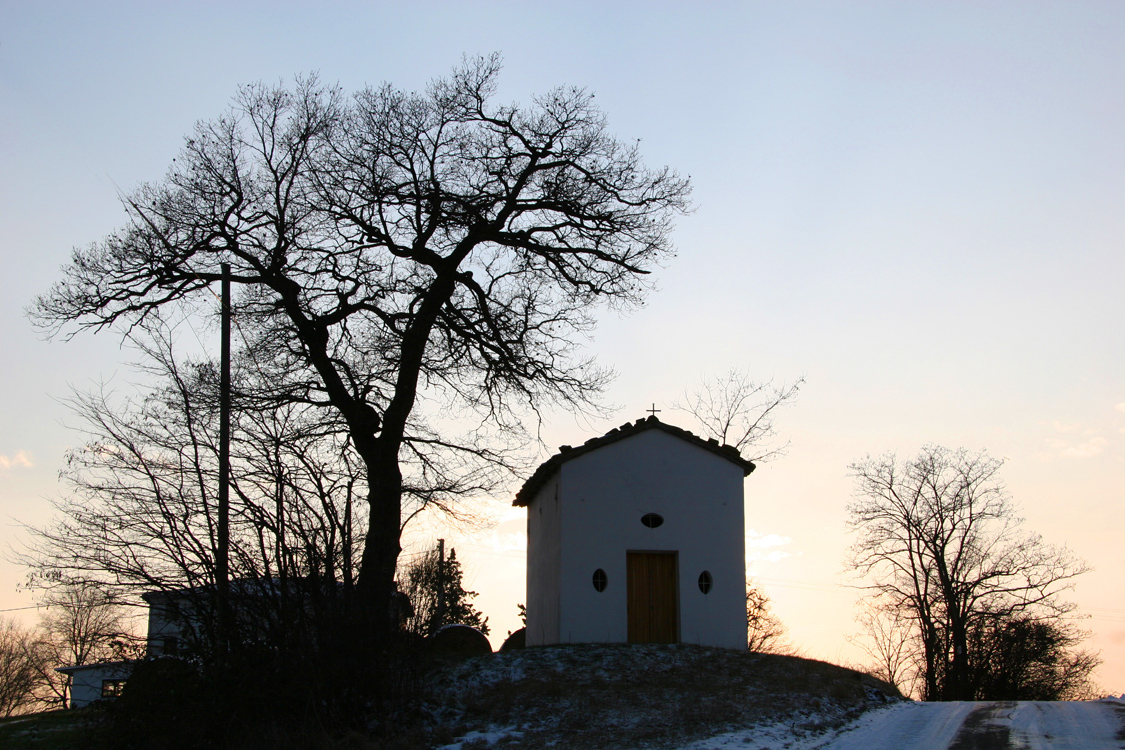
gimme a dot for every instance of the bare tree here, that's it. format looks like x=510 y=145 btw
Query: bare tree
x=141 y=514
x=764 y=631
x=940 y=540
x=890 y=641
x=393 y=248
x=19 y=668
x=81 y=623
x=739 y=411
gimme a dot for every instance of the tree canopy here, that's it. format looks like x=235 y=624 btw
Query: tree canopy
x=389 y=249
x=941 y=542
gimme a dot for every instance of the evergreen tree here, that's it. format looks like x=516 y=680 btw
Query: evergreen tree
x=437 y=594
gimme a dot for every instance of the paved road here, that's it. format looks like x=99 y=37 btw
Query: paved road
x=989 y=725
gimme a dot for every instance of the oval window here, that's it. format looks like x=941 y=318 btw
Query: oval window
x=652 y=520
x=705 y=581
x=600 y=580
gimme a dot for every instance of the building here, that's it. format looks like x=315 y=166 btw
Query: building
x=92 y=682
x=105 y=680
x=176 y=622
x=637 y=536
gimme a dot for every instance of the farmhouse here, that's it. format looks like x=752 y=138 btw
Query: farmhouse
x=637 y=536
x=176 y=619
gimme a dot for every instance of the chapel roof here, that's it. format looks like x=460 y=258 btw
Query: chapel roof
x=547 y=469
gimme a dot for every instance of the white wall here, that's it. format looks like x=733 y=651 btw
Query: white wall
x=603 y=495
x=543 y=536
x=86 y=681
x=162 y=625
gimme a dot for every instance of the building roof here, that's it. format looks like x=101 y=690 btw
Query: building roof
x=548 y=468
x=103 y=666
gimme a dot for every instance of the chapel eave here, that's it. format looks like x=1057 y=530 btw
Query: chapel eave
x=566 y=453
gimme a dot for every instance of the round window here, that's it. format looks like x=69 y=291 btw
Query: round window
x=600 y=580
x=705 y=581
x=652 y=520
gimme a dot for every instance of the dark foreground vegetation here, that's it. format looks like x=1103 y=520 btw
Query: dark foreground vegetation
x=596 y=696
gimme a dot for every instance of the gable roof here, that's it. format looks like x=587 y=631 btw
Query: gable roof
x=547 y=469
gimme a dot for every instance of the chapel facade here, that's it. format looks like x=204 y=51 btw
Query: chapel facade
x=637 y=536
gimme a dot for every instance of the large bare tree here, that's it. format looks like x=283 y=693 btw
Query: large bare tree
x=393 y=247
x=940 y=540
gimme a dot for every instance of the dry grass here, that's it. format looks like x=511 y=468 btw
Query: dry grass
x=48 y=730
x=620 y=696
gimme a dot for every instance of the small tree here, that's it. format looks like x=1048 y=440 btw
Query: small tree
x=764 y=630
x=80 y=624
x=437 y=594
x=19 y=667
x=888 y=639
x=739 y=411
x=1023 y=658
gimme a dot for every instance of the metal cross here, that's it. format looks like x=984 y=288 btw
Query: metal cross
x=653 y=410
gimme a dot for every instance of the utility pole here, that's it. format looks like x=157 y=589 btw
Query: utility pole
x=222 y=555
x=441 y=583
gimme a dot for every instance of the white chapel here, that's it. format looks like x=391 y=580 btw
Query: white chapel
x=637 y=536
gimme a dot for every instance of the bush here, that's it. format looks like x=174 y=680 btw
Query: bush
x=260 y=699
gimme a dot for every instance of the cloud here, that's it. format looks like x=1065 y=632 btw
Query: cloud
x=22 y=458
x=765 y=547
x=1091 y=447
x=1120 y=407
x=500 y=541
x=1060 y=427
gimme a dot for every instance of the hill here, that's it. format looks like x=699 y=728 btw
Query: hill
x=583 y=697
x=578 y=697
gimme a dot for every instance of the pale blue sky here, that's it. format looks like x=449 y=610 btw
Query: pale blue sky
x=918 y=206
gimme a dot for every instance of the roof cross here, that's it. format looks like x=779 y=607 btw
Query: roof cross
x=653 y=411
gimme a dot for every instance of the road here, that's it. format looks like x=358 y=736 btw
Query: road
x=988 y=725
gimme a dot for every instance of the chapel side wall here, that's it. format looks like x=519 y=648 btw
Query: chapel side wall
x=700 y=496
x=543 y=572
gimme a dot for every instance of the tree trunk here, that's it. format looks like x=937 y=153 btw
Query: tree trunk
x=376 y=583
x=958 y=687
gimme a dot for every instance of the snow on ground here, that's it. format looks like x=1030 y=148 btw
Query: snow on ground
x=491 y=737
x=999 y=725
x=986 y=725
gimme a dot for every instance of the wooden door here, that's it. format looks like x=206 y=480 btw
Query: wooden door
x=652 y=594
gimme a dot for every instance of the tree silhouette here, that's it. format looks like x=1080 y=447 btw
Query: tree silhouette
x=391 y=252
x=437 y=594
x=941 y=542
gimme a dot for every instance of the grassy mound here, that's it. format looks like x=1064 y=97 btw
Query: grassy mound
x=619 y=696
x=48 y=730
x=576 y=697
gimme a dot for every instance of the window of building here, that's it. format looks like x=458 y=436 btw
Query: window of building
x=600 y=580
x=652 y=520
x=705 y=581
x=112 y=688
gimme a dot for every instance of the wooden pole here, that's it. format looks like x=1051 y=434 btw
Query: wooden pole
x=222 y=556
x=441 y=583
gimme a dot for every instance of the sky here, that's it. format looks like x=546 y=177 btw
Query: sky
x=917 y=207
